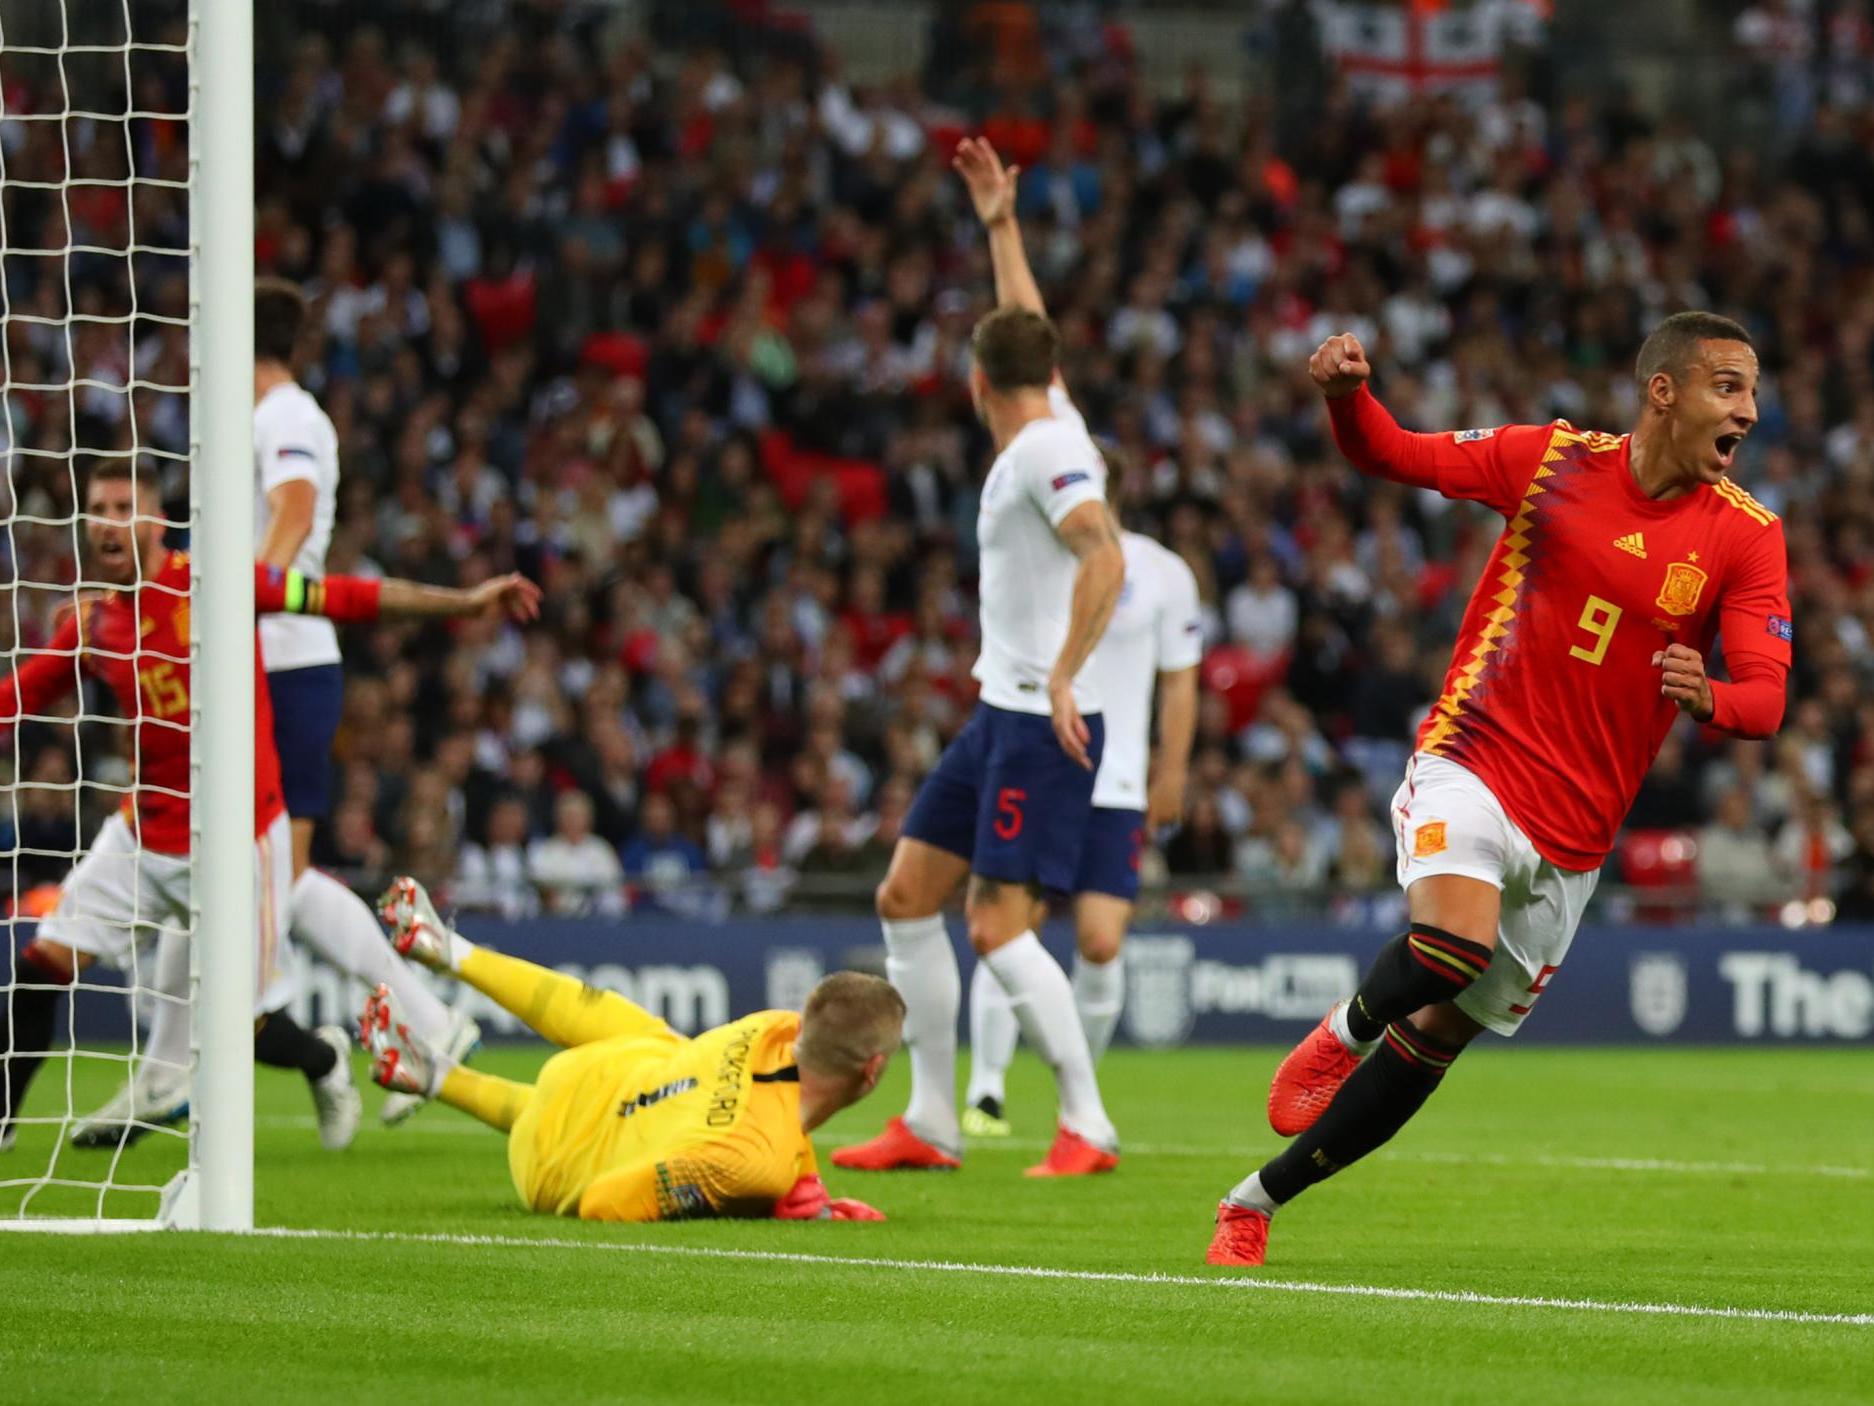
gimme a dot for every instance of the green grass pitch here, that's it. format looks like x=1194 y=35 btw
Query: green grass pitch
x=1699 y=1179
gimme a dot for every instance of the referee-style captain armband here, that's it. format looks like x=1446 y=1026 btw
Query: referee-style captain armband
x=342 y=598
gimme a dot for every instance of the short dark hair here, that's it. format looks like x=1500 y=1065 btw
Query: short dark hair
x=279 y=318
x=118 y=468
x=1017 y=349
x=1673 y=344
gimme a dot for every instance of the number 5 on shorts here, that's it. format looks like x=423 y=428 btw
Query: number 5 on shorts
x=1009 y=801
x=1598 y=618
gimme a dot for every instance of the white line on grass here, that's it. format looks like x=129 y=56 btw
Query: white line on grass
x=1090 y=1276
x=463 y=1127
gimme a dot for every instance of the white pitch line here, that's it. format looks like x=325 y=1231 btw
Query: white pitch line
x=463 y=1127
x=1465 y=1297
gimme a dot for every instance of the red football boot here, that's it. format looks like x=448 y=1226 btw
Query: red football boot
x=897 y=1149
x=1242 y=1236
x=1073 y=1156
x=1306 y=1082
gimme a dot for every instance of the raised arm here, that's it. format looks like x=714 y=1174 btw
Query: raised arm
x=1089 y=533
x=1491 y=466
x=351 y=598
x=992 y=191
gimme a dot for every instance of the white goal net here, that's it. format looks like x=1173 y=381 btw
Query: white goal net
x=100 y=350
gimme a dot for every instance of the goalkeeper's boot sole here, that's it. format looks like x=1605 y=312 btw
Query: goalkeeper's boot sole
x=150 y=1099
x=416 y=930
x=1241 y=1239
x=335 y=1096
x=1073 y=1156
x=465 y=1038
x=897 y=1149
x=983 y=1118
x=1305 y=1083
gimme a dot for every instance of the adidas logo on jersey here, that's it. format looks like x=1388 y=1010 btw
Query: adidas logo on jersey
x=1634 y=542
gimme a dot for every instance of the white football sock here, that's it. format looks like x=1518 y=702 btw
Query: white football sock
x=1249 y=1193
x=993 y=1033
x=1044 y=1004
x=1337 y=1022
x=340 y=927
x=167 y=979
x=920 y=963
x=1099 y=994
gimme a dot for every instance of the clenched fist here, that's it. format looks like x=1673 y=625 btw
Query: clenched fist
x=1339 y=366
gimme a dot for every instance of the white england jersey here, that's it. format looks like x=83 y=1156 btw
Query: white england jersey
x=1027 y=573
x=294 y=439
x=1154 y=630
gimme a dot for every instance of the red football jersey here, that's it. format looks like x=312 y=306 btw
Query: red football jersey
x=1552 y=698
x=137 y=642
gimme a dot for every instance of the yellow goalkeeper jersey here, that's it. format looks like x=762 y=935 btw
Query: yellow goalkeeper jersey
x=652 y=1126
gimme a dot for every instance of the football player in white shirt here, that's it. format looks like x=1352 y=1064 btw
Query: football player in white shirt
x=296 y=501
x=1155 y=641
x=1009 y=800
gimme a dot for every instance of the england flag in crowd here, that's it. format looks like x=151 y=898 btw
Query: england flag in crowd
x=1398 y=51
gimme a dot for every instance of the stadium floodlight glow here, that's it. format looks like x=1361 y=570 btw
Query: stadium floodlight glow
x=103 y=205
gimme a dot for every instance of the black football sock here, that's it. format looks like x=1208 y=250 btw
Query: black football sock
x=30 y=1014
x=1418 y=968
x=1378 y=1098
x=284 y=1043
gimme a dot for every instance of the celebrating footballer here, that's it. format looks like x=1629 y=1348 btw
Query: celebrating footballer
x=1623 y=559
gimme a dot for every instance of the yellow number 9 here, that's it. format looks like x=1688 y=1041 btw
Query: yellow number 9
x=1598 y=618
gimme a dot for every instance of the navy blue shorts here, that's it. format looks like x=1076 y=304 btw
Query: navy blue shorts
x=1008 y=799
x=306 y=705
x=1109 y=860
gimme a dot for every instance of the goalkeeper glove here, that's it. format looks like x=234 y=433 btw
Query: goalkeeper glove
x=808 y=1200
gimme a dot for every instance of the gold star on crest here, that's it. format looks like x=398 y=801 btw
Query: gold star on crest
x=1691 y=556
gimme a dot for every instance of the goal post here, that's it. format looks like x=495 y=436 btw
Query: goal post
x=221 y=501
x=126 y=335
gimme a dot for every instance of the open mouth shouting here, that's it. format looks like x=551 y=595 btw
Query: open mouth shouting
x=1727 y=448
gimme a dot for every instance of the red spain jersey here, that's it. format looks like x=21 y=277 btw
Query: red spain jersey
x=1552 y=698
x=137 y=642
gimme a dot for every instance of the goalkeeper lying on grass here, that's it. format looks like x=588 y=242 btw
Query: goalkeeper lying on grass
x=633 y=1121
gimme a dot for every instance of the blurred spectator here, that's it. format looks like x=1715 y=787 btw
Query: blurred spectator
x=497 y=875
x=1735 y=867
x=1201 y=845
x=1810 y=846
x=661 y=863
x=574 y=870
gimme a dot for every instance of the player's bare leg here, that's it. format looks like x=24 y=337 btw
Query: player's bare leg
x=1359 y=1077
x=920 y=962
x=405 y=1063
x=1099 y=983
x=557 y=1007
x=1003 y=918
x=302 y=846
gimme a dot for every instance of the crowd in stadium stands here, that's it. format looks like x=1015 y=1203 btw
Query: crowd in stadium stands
x=684 y=338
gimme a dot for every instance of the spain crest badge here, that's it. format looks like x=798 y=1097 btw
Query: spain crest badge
x=1683 y=585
